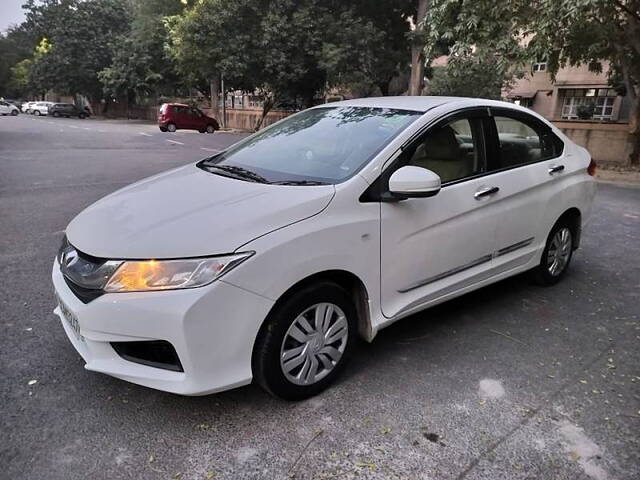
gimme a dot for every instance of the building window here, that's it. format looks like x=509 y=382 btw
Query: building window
x=540 y=67
x=602 y=100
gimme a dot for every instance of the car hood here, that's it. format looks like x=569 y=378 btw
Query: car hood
x=188 y=212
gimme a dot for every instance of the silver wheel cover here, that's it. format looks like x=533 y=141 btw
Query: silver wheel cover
x=559 y=251
x=314 y=344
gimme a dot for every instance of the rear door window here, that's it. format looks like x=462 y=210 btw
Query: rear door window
x=521 y=141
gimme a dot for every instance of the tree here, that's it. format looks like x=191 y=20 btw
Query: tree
x=564 y=32
x=79 y=34
x=418 y=59
x=15 y=46
x=141 y=67
x=471 y=76
x=214 y=38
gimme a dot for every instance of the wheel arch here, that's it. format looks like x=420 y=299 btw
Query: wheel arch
x=573 y=218
x=345 y=279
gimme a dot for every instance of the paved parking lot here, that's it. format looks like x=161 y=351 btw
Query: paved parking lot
x=510 y=382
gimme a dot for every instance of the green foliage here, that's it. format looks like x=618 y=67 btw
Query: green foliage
x=468 y=77
x=141 y=67
x=585 y=112
x=564 y=32
x=78 y=47
x=16 y=46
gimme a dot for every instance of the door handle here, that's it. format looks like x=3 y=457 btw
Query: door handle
x=485 y=192
x=555 y=169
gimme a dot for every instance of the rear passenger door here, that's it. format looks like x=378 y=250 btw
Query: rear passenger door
x=527 y=160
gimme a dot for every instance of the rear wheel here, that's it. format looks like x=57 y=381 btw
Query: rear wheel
x=556 y=255
x=171 y=127
x=163 y=129
x=14 y=112
x=82 y=116
x=36 y=113
x=56 y=114
x=305 y=342
x=210 y=128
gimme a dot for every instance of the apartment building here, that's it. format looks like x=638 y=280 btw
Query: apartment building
x=604 y=133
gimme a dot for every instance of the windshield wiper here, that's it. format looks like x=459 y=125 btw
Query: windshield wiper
x=299 y=182
x=234 y=171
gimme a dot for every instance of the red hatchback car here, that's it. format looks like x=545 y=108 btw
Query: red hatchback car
x=174 y=116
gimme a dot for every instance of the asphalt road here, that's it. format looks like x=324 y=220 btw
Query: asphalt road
x=510 y=382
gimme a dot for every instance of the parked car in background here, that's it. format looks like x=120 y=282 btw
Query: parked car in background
x=26 y=107
x=268 y=260
x=7 y=108
x=177 y=116
x=40 y=108
x=67 y=110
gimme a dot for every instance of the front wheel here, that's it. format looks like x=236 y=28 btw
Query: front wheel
x=163 y=129
x=556 y=255
x=171 y=127
x=210 y=129
x=56 y=114
x=305 y=342
x=14 y=113
x=36 y=113
x=82 y=116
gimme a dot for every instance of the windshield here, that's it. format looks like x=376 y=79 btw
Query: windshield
x=317 y=146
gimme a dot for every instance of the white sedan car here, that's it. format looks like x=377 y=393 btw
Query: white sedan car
x=7 y=108
x=269 y=260
x=40 y=108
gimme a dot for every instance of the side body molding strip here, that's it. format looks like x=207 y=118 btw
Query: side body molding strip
x=466 y=266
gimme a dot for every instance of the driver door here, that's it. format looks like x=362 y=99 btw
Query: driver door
x=431 y=247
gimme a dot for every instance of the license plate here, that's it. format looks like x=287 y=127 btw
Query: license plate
x=71 y=320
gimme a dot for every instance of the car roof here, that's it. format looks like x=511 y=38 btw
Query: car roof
x=416 y=103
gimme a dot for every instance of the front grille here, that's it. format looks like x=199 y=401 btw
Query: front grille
x=153 y=353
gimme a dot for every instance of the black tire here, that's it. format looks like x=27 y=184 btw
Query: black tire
x=210 y=128
x=267 y=369
x=163 y=129
x=171 y=127
x=14 y=113
x=56 y=114
x=36 y=113
x=82 y=116
x=544 y=273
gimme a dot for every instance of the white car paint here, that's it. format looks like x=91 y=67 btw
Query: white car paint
x=398 y=251
x=8 y=108
x=40 y=108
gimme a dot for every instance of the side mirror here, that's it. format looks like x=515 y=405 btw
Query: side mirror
x=411 y=181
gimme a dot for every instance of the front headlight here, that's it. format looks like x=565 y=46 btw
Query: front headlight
x=140 y=276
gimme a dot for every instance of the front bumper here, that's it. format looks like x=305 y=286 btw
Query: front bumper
x=212 y=329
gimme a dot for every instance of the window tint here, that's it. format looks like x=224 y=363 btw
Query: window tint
x=521 y=143
x=452 y=150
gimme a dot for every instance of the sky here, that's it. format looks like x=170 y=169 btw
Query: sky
x=10 y=13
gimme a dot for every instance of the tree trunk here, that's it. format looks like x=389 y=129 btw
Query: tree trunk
x=416 y=81
x=634 y=133
x=214 y=86
x=267 y=105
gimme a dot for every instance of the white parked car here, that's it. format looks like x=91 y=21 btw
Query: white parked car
x=40 y=108
x=7 y=108
x=267 y=261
